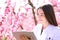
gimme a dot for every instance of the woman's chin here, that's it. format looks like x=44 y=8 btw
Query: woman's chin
x=41 y=22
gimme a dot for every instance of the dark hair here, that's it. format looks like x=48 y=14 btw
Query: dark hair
x=49 y=14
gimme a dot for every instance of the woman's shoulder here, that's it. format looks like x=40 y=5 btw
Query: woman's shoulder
x=53 y=32
x=56 y=32
x=55 y=29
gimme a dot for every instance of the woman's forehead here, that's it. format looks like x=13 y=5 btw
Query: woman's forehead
x=40 y=11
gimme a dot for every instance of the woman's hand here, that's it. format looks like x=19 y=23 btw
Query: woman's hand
x=24 y=37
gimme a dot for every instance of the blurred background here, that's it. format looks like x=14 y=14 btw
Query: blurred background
x=16 y=15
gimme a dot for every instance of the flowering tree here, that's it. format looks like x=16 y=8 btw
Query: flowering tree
x=16 y=15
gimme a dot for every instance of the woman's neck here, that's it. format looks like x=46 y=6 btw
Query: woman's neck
x=45 y=25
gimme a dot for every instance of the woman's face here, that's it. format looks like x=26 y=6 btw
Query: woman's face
x=42 y=18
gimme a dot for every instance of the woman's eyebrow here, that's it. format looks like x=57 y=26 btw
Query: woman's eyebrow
x=40 y=13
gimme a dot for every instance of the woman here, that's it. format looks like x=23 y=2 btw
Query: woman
x=49 y=29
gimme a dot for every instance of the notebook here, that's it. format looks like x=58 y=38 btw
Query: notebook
x=29 y=34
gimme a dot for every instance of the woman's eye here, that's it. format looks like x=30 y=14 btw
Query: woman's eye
x=41 y=15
